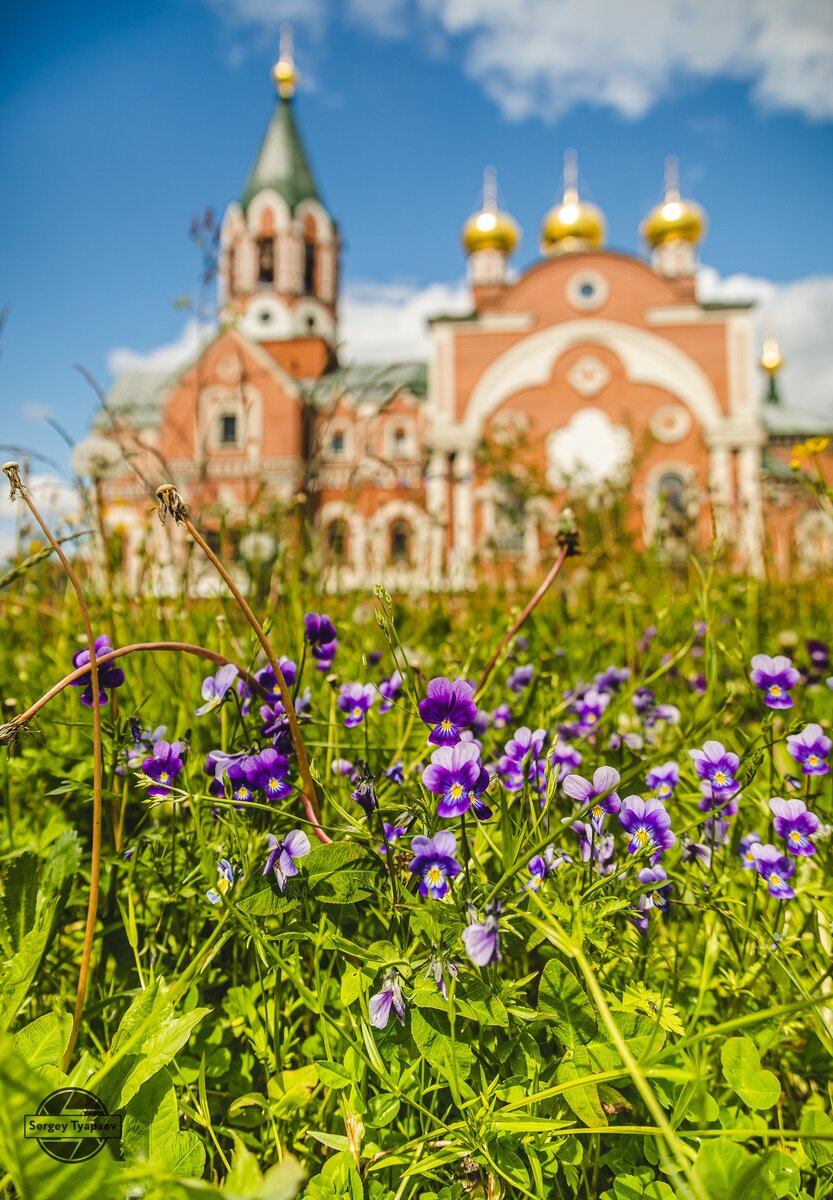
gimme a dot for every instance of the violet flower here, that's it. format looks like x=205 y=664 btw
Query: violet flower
x=599 y=795
x=225 y=878
x=457 y=775
x=810 y=748
x=355 y=699
x=215 y=688
x=364 y=793
x=109 y=675
x=745 y=854
x=775 y=868
x=612 y=679
x=395 y=773
x=389 y=998
x=717 y=766
x=267 y=771
x=795 y=824
x=566 y=759
x=322 y=638
x=482 y=940
x=435 y=863
x=389 y=690
x=164 y=766
x=663 y=779
x=649 y=824
x=393 y=833
x=448 y=708
x=282 y=855
x=775 y=676
x=520 y=678
x=589 y=708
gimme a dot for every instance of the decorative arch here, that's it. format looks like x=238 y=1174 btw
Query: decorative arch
x=382 y=522
x=646 y=357
x=339 y=510
x=687 y=473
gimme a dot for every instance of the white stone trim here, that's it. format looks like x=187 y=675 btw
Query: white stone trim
x=324 y=327
x=688 y=474
x=268 y=200
x=379 y=528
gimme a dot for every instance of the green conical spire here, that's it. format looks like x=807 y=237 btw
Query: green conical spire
x=281 y=163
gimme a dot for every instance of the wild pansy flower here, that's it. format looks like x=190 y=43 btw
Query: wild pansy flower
x=656 y=880
x=611 y=679
x=109 y=675
x=482 y=939
x=600 y=847
x=389 y=690
x=355 y=700
x=645 y=641
x=389 y=998
x=322 y=638
x=723 y=803
x=164 y=766
x=143 y=741
x=775 y=676
x=635 y=741
x=523 y=759
x=542 y=865
x=663 y=779
x=818 y=653
x=745 y=854
x=282 y=855
x=775 y=868
x=649 y=824
x=458 y=777
x=215 y=688
x=501 y=716
x=396 y=773
x=438 y=967
x=589 y=708
x=225 y=878
x=266 y=678
x=448 y=708
x=392 y=835
x=267 y=772
x=435 y=863
x=218 y=764
x=565 y=757
x=643 y=699
x=341 y=766
x=810 y=748
x=717 y=766
x=520 y=678
x=795 y=824
x=599 y=795
x=364 y=793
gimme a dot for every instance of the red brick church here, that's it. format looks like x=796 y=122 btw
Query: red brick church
x=590 y=373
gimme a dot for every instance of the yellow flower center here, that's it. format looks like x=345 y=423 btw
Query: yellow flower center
x=357 y=712
x=456 y=791
x=243 y=793
x=222 y=885
x=775 y=690
x=642 y=837
x=435 y=876
x=591 y=718
x=775 y=879
x=164 y=777
x=664 y=789
x=720 y=777
x=274 y=784
x=597 y=811
x=812 y=760
x=795 y=837
x=446 y=726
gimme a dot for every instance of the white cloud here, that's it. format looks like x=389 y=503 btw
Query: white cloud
x=266 y=16
x=388 y=322
x=800 y=315
x=162 y=358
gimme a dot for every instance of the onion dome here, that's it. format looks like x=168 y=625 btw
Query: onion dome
x=574 y=224
x=284 y=71
x=490 y=229
x=675 y=219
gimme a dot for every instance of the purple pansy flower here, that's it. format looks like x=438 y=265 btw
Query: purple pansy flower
x=523 y=759
x=218 y=764
x=225 y=878
x=392 y=835
x=601 y=848
x=649 y=824
x=438 y=968
x=266 y=678
x=109 y=675
x=717 y=766
x=389 y=998
x=164 y=766
x=216 y=687
x=612 y=679
x=520 y=678
x=795 y=824
x=542 y=865
x=282 y=855
x=589 y=708
x=364 y=793
x=663 y=779
x=723 y=802
x=396 y=773
x=482 y=940
x=448 y=708
x=565 y=758
x=389 y=690
x=501 y=716
x=593 y=795
x=819 y=654
x=775 y=868
x=341 y=766
x=322 y=638
x=810 y=748
x=775 y=676
x=656 y=880
x=267 y=771
x=457 y=775
x=355 y=700
x=435 y=863
x=745 y=854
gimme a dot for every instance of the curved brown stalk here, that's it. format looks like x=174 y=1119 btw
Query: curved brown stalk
x=18 y=488
x=172 y=504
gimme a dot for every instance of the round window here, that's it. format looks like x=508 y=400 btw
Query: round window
x=587 y=290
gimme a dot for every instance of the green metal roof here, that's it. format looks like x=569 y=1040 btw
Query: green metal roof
x=374 y=383
x=137 y=396
x=783 y=421
x=281 y=163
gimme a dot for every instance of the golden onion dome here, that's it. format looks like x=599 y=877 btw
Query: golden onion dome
x=675 y=219
x=490 y=229
x=574 y=224
x=284 y=71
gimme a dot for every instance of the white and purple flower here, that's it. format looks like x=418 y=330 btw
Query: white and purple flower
x=599 y=796
x=458 y=777
x=434 y=862
x=482 y=939
x=775 y=676
x=355 y=701
x=283 y=853
x=717 y=766
x=795 y=824
x=225 y=878
x=649 y=824
x=775 y=868
x=810 y=748
x=389 y=999
x=448 y=708
x=663 y=780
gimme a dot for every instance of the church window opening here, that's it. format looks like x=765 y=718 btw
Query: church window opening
x=400 y=440
x=232 y=268
x=337 y=540
x=309 y=266
x=337 y=443
x=228 y=429
x=213 y=540
x=510 y=521
x=672 y=510
x=266 y=260
x=400 y=542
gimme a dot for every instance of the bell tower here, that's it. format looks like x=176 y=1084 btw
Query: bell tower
x=279 y=246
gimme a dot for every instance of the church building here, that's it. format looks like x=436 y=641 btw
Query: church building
x=590 y=374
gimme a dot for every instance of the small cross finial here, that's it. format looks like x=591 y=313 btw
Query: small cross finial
x=284 y=72
x=672 y=177
x=570 y=177
x=490 y=190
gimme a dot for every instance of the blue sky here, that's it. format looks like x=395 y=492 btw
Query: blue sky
x=120 y=121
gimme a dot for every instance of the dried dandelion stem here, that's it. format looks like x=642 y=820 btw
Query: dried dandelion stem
x=171 y=504
x=18 y=488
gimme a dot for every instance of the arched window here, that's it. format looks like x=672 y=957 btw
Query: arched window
x=228 y=430
x=400 y=542
x=399 y=441
x=672 y=509
x=337 y=540
x=266 y=260
x=309 y=265
x=337 y=443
